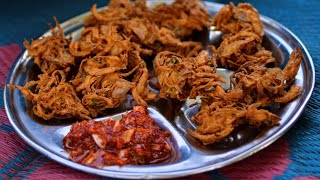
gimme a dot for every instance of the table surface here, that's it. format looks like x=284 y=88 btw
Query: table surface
x=296 y=155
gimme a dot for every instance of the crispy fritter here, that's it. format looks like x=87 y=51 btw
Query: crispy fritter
x=53 y=97
x=233 y=49
x=203 y=79
x=261 y=82
x=172 y=72
x=51 y=53
x=217 y=120
x=163 y=28
x=140 y=92
x=180 y=78
x=182 y=17
x=243 y=32
x=232 y=19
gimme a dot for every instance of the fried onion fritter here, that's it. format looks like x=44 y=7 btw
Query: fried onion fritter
x=233 y=49
x=203 y=79
x=51 y=53
x=100 y=83
x=180 y=77
x=140 y=92
x=232 y=19
x=217 y=120
x=182 y=17
x=53 y=97
x=163 y=28
x=172 y=72
x=260 y=82
x=243 y=32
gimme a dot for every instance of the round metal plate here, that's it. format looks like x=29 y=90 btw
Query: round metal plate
x=191 y=157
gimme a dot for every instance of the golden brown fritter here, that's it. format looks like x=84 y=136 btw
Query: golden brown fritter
x=261 y=82
x=182 y=17
x=180 y=78
x=172 y=72
x=243 y=32
x=217 y=120
x=163 y=28
x=232 y=19
x=103 y=91
x=203 y=80
x=233 y=49
x=53 y=97
x=51 y=53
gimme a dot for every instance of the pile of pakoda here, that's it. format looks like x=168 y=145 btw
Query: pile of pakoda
x=108 y=65
x=256 y=83
x=85 y=77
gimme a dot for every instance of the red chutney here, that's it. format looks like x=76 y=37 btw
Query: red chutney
x=136 y=139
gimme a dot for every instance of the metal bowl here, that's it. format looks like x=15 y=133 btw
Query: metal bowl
x=191 y=157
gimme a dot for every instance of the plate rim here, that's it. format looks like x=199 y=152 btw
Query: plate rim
x=78 y=21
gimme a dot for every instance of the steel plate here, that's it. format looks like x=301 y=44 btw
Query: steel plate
x=191 y=157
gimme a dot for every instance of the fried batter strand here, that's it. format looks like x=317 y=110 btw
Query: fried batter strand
x=53 y=98
x=180 y=78
x=203 y=80
x=160 y=29
x=167 y=41
x=100 y=83
x=233 y=49
x=232 y=19
x=51 y=53
x=172 y=72
x=182 y=17
x=261 y=82
x=141 y=94
x=243 y=32
x=220 y=118
x=217 y=121
x=104 y=40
